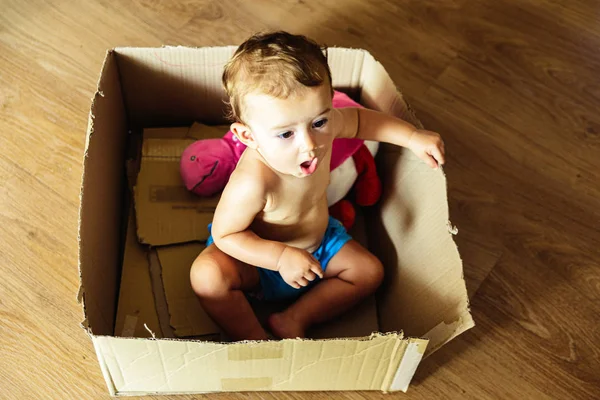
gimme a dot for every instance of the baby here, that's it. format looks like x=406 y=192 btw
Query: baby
x=271 y=232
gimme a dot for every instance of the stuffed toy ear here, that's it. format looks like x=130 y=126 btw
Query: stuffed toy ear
x=206 y=165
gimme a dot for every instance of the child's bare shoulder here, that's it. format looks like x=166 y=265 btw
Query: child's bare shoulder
x=251 y=177
x=251 y=168
x=245 y=195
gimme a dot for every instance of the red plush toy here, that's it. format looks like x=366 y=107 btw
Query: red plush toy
x=367 y=188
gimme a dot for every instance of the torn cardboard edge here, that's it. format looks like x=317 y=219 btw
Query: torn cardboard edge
x=93 y=227
x=160 y=299
x=445 y=332
x=88 y=134
x=136 y=306
x=366 y=338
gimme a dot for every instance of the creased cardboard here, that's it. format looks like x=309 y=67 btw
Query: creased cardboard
x=160 y=298
x=100 y=209
x=136 y=303
x=187 y=317
x=166 y=211
x=427 y=287
x=168 y=366
x=424 y=292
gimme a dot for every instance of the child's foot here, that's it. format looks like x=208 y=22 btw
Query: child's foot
x=284 y=327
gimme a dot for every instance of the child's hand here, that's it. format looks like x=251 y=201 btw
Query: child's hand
x=428 y=146
x=297 y=267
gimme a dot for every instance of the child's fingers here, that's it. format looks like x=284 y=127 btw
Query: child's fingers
x=438 y=154
x=317 y=270
x=429 y=160
x=294 y=285
x=302 y=282
x=311 y=276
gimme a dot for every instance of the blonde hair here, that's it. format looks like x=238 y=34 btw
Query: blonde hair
x=277 y=64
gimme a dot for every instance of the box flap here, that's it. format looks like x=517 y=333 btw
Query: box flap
x=106 y=373
x=424 y=286
x=186 y=84
x=187 y=317
x=346 y=69
x=140 y=366
x=427 y=289
x=136 y=302
x=413 y=354
x=101 y=203
x=160 y=299
x=379 y=92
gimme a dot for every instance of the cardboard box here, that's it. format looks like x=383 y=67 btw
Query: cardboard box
x=423 y=295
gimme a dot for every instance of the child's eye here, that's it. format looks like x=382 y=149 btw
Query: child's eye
x=286 y=135
x=320 y=123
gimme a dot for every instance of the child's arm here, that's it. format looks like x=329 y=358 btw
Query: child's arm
x=367 y=124
x=242 y=199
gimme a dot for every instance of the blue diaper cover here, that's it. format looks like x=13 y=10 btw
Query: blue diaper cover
x=272 y=284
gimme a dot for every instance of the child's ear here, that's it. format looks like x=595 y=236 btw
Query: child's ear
x=244 y=134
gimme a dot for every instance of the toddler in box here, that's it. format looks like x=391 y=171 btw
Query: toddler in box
x=271 y=234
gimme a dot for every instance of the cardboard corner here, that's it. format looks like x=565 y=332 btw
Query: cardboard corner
x=411 y=358
x=444 y=332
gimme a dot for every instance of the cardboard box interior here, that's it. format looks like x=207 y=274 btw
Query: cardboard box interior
x=155 y=288
x=424 y=293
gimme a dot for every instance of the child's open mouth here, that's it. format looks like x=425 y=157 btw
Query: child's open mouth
x=308 y=167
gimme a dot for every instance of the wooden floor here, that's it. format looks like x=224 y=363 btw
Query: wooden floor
x=511 y=85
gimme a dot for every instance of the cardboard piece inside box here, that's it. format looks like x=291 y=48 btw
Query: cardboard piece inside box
x=423 y=296
x=167 y=212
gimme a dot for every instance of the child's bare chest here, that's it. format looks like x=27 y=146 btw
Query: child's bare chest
x=296 y=214
x=293 y=199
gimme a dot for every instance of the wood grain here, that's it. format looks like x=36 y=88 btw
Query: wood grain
x=512 y=87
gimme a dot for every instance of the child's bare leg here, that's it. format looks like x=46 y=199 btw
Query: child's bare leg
x=219 y=280
x=351 y=275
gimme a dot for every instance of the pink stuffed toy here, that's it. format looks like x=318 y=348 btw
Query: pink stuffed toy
x=207 y=164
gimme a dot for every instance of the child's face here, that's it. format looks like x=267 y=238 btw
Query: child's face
x=295 y=134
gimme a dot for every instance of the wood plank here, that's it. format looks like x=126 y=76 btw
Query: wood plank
x=512 y=86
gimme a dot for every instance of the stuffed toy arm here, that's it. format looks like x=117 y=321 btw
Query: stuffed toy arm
x=344 y=176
